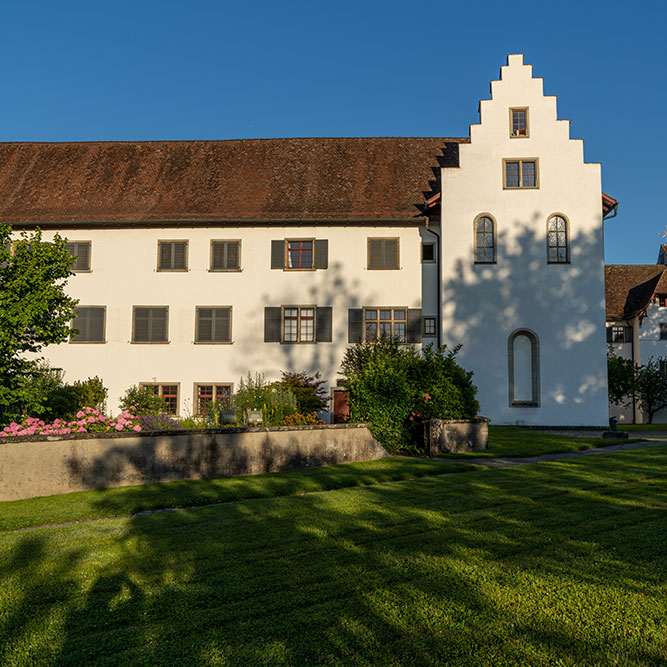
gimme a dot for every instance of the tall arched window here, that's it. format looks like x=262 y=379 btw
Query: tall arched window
x=558 y=242
x=523 y=355
x=485 y=240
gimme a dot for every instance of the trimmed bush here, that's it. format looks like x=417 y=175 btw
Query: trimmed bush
x=395 y=388
x=144 y=400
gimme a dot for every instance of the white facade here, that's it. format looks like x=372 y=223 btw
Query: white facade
x=124 y=273
x=532 y=331
x=562 y=304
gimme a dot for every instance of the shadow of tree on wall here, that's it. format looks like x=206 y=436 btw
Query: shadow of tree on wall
x=562 y=303
x=472 y=569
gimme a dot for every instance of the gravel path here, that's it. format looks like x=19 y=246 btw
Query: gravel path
x=516 y=461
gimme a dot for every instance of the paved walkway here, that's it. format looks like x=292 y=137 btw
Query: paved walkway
x=516 y=461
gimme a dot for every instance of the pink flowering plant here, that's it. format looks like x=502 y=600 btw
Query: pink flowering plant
x=88 y=420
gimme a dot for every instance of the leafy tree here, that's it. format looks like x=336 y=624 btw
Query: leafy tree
x=309 y=390
x=620 y=378
x=34 y=311
x=651 y=386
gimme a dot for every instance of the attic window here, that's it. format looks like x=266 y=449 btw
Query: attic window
x=518 y=123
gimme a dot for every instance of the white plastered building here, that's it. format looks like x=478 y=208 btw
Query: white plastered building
x=201 y=261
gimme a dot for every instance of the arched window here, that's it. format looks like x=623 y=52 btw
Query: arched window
x=523 y=354
x=485 y=240
x=558 y=242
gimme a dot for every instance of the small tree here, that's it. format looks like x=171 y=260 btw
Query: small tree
x=34 y=310
x=651 y=386
x=620 y=378
x=309 y=390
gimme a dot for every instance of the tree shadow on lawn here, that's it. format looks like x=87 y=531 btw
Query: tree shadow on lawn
x=554 y=562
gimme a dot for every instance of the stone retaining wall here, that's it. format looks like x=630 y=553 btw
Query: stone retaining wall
x=48 y=465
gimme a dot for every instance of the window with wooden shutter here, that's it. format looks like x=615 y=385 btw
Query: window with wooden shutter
x=172 y=255
x=299 y=254
x=383 y=253
x=80 y=252
x=89 y=320
x=225 y=255
x=149 y=324
x=214 y=325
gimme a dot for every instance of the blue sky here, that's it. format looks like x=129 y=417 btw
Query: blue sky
x=221 y=70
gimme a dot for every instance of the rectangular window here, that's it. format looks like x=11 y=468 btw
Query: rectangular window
x=519 y=122
x=299 y=254
x=214 y=325
x=386 y=323
x=618 y=334
x=663 y=331
x=89 y=320
x=205 y=393
x=428 y=252
x=150 y=325
x=172 y=255
x=520 y=174
x=80 y=252
x=225 y=255
x=299 y=324
x=429 y=326
x=169 y=392
x=383 y=253
x=662 y=300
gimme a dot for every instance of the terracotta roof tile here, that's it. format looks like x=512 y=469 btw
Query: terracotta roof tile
x=253 y=179
x=629 y=288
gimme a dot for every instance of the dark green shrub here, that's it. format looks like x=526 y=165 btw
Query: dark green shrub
x=309 y=390
x=144 y=400
x=396 y=388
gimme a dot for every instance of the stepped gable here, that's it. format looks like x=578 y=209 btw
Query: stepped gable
x=245 y=180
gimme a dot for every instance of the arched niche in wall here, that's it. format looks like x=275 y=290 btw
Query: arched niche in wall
x=523 y=355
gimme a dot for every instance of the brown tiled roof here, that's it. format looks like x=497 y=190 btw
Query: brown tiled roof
x=629 y=288
x=247 y=179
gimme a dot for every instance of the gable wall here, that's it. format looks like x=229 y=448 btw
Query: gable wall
x=563 y=304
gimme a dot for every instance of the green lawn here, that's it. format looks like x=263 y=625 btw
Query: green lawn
x=130 y=500
x=561 y=563
x=512 y=441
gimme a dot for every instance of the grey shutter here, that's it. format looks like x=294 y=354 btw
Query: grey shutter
x=355 y=322
x=218 y=256
x=324 y=326
x=610 y=335
x=375 y=253
x=390 y=254
x=158 y=325
x=179 y=255
x=321 y=254
x=278 y=254
x=232 y=263
x=204 y=325
x=96 y=325
x=628 y=335
x=165 y=256
x=414 y=325
x=83 y=256
x=141 y=326
x=272 y=324
x=221 y=329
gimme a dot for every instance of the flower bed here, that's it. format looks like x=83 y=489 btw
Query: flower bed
x=89 y=420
